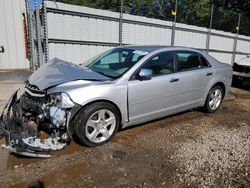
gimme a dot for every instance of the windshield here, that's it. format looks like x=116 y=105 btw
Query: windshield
x=115 y=62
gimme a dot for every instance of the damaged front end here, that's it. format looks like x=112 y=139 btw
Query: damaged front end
x=35 y=123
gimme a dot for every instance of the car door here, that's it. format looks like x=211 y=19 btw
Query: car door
x=157 y=97
x=195 y=74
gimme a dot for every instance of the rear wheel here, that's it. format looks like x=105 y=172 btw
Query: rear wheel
x=214 y=99
x=97 y=123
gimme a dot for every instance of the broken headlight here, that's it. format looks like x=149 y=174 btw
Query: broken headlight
x=61 y=100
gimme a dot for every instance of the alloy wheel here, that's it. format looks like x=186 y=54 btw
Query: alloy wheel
x=100 y=126
x=215 y=99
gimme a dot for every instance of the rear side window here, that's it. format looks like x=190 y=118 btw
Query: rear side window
x=191 y=60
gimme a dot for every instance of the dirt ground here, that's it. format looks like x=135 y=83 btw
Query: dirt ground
x=191 y=149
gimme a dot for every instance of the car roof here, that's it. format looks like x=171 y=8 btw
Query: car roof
x=151 y=48
x=159 y=48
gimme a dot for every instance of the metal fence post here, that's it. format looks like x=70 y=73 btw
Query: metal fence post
x=33 y=38
x=46 y=40
x=174 y=24
x=30 y=37
x=120 y=23
x=38 y=37
x=236 y=40
x=210 y=27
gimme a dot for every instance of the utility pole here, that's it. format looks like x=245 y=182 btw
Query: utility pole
x=210 y=27
x=236 y=40
x=174 y=23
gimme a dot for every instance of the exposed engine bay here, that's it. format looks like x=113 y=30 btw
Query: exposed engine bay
x=34 y=125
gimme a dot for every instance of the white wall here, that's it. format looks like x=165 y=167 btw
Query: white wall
x=75 y=53
x=81 y=28
x=143 y=34
x=12 y=35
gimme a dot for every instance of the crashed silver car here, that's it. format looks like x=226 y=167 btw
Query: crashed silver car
x=124 y=86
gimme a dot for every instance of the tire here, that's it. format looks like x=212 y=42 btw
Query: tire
x=96 y=124
x=214 y=99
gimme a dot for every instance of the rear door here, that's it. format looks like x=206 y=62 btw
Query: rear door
x=195 y=73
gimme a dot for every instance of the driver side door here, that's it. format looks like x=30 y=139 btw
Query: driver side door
x=157 y=97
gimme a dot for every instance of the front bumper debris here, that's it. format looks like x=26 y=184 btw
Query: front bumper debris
x=23 y=136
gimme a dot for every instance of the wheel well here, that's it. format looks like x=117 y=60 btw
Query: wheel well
x=222 y=85
x=90 y=103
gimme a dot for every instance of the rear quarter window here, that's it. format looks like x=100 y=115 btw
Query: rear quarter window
x=191 y=60
x=204 y=62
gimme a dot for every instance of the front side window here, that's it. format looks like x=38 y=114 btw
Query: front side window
x=161 y=64
x=191 y=60
x=115 y=62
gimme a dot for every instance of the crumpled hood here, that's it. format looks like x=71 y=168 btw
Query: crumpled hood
x=58 y=72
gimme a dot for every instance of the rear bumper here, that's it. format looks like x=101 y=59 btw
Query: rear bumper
x=241 y=74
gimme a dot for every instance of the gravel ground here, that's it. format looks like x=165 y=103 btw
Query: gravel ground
x=191 y=149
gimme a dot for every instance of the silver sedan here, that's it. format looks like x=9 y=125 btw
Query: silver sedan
x=124 y=86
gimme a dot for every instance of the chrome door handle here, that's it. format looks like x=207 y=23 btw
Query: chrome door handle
x=174 y=80
x=209 y=73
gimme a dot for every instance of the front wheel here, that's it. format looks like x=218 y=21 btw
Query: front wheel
x=214 y=99
x=97 y=123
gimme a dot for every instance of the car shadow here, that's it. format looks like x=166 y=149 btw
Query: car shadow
x=244 y=86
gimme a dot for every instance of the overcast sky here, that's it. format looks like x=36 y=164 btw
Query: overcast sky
x=32 y=3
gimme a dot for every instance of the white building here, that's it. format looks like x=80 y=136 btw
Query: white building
x=13 y=43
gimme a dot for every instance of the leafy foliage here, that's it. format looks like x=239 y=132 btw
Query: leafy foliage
x=194 y=12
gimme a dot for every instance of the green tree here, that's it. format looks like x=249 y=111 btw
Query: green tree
x=194 y=12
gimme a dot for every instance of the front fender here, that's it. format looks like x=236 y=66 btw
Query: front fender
x=116 y=94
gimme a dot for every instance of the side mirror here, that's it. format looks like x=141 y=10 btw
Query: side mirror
x=145 y=74
x=248 y=55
